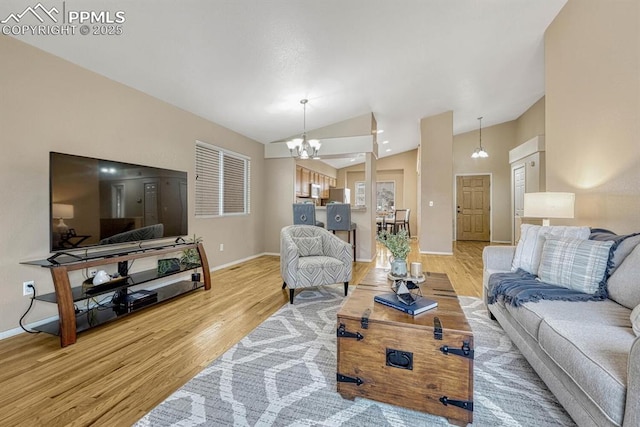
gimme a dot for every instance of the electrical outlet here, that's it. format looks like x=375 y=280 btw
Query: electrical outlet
x=93 y=272
x=221 y=247
x=27 y=288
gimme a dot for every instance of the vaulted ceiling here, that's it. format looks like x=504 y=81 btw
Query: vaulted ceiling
x=245 y=64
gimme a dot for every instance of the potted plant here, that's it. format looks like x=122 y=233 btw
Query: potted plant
x=399 y=246
x=190 y=257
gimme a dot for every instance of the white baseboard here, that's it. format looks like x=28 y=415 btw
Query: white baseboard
x=501 y=241
x=238 y=261
x=436 y=253
x=30 y=326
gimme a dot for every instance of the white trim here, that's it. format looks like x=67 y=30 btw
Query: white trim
x=527 y=148
x=365 y=260
x=455 y=201
x=238 y=261
x=436 y=253
x=501 y=241
x=18 y=331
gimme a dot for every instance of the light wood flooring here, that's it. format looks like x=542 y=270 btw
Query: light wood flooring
x=116 y=373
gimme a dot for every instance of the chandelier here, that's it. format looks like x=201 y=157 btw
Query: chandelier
x=479 y=152
x=303 y=148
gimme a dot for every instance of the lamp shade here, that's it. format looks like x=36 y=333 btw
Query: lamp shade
x=549 y=205
x=60 y=210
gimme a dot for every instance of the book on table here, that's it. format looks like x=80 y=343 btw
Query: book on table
x=418 y=306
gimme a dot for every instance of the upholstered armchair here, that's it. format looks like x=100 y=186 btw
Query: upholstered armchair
x=312 y=256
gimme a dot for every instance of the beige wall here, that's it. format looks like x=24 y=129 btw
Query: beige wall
x=436 y=184
x=497 y=140
x=49 y=104
x=592 y=73
x=531 y=123
x=280 y=181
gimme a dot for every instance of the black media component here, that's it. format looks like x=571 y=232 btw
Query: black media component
x=123 y=268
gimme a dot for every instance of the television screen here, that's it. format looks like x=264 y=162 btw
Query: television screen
x=100 y=202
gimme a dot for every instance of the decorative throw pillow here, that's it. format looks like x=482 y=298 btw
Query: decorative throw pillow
x=624 y=284
x=575 y=264
x=309 y=246
x=635 y=320
x=532 y=237
x=622 y=246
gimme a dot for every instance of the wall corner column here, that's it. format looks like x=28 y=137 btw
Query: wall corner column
x=436 y=198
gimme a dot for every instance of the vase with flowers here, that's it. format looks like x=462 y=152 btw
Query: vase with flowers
x=191 y=257
x=399 y=246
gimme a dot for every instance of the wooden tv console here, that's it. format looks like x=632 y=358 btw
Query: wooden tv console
x=73 y=319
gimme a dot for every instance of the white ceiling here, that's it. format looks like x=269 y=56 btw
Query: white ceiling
x=245 y=64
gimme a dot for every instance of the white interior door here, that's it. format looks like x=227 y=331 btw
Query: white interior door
x=519 y=182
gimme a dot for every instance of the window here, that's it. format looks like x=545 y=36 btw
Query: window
x=385 y=195
x=222 y=181
x=360 y=193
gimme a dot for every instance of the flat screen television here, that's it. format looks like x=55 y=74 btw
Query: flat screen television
x=94 y=202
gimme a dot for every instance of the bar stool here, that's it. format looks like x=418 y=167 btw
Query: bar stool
x=339 y=219
x=305 y=214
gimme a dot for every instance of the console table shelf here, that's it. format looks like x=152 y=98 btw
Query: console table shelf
x=80 y=293
x=73 y=320
x=87 y=319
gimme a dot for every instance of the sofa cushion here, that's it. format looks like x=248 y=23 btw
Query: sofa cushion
x=635 y=320
x=532 y=238
x=624 y=283
x=622 y=245
x=575 y=264
x=531 y=314
x=594 y=358
x=309 y=246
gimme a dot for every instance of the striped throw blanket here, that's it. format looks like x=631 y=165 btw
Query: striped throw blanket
x=519 y=287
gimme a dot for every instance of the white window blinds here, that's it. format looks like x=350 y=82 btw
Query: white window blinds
x=222 y=181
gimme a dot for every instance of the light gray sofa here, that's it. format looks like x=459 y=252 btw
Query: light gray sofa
x=586 y=352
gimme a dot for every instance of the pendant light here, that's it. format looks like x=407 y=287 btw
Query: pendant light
x=479 y=152
x=301 y=148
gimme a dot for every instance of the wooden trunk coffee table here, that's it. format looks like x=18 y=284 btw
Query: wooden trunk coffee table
x=422 y=362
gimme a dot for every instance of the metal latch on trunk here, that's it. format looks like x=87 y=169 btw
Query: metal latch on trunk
x=345 y=379
x=343 y=333
x=364 y=321
x=464 y=351
x=437 y=329
x=464 y=404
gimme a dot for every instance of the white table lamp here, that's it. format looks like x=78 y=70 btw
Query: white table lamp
x=548 y=205
x=61 y=212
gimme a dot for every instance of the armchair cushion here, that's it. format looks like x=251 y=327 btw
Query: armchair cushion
x=309 y=246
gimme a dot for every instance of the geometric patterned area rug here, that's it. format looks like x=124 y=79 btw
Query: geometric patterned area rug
x=284 y=374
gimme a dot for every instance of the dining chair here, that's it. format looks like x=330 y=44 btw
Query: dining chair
x=400 y=221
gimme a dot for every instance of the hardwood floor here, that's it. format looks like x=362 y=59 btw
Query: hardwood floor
x=116 y=373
